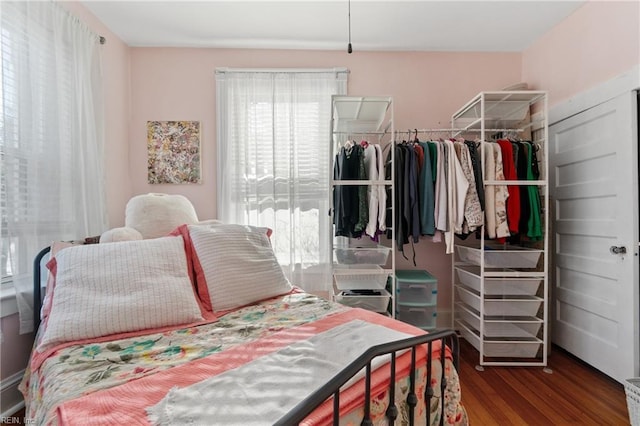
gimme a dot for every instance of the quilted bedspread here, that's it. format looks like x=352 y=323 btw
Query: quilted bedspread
x=72 y=385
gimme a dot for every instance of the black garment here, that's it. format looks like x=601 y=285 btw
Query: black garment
x=534 y=161
x=525 y=203
x=401 y=225
x=346 y=197
x=476 y=160
x=412 y=183
x=410 y=193
x=363 y=203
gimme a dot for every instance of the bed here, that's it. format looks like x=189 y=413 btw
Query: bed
x=125 y=339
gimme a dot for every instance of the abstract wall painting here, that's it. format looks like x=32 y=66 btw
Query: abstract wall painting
x=173 y=152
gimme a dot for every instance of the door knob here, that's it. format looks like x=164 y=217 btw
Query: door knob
x=618 y=249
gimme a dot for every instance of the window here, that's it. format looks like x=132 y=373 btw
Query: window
x=274 y=165
x=13 y=182
x=51 y=159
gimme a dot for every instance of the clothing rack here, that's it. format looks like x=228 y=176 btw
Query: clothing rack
x=456 y=131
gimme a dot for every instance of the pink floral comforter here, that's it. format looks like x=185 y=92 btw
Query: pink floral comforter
x=76 y=372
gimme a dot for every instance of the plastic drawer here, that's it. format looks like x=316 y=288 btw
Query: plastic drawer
x=509 y=306
x=422 y=317
x=417 y=294
x=416 y=287
x=470 y=277
x=505 y=348
x=500 y=256
x=521 y=329
x=360 y=277
x=362 y=255
x=369 y=302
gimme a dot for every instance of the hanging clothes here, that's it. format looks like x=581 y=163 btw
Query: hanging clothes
x=371 y=168
x=477 y=170
x=347 y=199
x=441 y=192
x=426 y=193
x=441 y=203
x=401 y=225
x=473 y=214
x=501 y=195
x=522 y=172
x=509 y=168
x=489 y=171
x=382 y=191
x=457 y=186
x=363 y=208
x=411 y=173
x=534 y=224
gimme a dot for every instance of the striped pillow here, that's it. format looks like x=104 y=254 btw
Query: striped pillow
x=238 y=265
x=120 y=287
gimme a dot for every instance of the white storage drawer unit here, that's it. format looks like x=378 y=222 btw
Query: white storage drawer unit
x=376 y=301
x=525 y=328
x=501 y=256
x=500 y=285
x=417 y=298
x=360 y=277
x=470 y=277
x=502 y=306
x=505 y=347
x=362 y=255
x=362 y=269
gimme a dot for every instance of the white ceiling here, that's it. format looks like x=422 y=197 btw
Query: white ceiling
x=426 y=25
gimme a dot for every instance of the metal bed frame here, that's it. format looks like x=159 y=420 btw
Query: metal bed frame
x=447 y=337
x=332 y=387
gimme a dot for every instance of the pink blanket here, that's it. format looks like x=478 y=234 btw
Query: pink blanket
x=126 y=404
x=116 y=380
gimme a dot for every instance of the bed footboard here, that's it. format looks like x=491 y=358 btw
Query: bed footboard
x=448 y=338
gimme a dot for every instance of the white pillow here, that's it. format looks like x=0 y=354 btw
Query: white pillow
x=106 y=289
x=120 y=234
x=238 y=265
x=156 y=215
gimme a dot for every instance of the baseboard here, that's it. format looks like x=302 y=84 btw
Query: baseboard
x=11 y=400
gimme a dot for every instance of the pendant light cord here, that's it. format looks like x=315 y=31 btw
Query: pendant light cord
x=349 y=48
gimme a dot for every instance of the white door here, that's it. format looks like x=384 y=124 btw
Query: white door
x=593 y=165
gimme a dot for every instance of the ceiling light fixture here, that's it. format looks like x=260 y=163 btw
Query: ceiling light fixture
x=349 y=48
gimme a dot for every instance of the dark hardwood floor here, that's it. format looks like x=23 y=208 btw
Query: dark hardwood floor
x=573 y=394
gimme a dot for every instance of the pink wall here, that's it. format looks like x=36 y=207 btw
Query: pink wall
x=179 y=84
x=427 y=87
x=14 y=356
x=596 y=43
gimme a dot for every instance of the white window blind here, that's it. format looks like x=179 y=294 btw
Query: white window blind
x=274 y=165
x=51 y=137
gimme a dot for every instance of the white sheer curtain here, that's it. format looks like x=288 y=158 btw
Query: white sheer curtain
x=51 y=137
x=273 y=162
